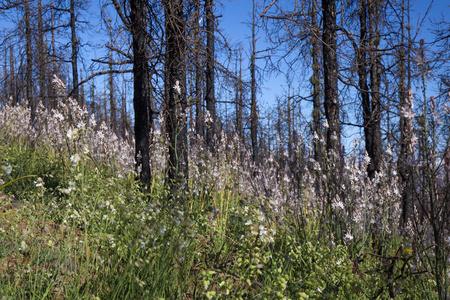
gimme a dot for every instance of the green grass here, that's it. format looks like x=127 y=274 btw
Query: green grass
x=88 y=234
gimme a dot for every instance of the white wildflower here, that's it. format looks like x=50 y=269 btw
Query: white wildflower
x=315 y=136
x=39 y=182
x=208 y=118
x=348 y=237
x=6 y=170
x=177 y=87
x=366 y=158
x=338 y=205
x=72 y=134
x=389 y=151
x=75 y=159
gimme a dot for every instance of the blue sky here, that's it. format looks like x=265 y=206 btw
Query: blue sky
x=238 y=12
x=235 y=16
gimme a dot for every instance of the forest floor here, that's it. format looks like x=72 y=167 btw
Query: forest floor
x=74 y=231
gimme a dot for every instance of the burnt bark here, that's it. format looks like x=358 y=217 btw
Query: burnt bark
x=199 y=128
x=373 y=141
x=209 y=73
x=141 y=99
x=41 y=47
x=13 y=81
x=29 y=66
x=253 y=105
x=74 y=45
x=239 y=103
x=175 y=90
x=112 y=99
x=330 y=69
x=406 y=125
x=316 y=84
x=363 y=73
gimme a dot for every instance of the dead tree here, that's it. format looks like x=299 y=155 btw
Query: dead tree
x=175 y=102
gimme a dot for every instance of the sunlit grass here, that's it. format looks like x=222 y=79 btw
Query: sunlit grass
x=73 y=225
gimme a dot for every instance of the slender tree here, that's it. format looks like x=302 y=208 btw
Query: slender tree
x=75 y=47
x=209 y=74
x=42 y=54
x=368 y=58
x=13 y=79
x=316 y=83
x=330 y=73
x=253 y=104
x=199 y=129
x=374 y=147
x=175 y=90
x=29 y=64
x=239 y=103
x=406 y=122
x=112 y=99
x=142 y=93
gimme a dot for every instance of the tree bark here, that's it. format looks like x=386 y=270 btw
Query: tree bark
x=175 y=90
x=141 y=99
x=369 y=120
x=51 y=90
x=42 y=55
x=253 y=107
x=74 y=44
x=317 y=103
x=29 y=67
x=112 y=99
x=199 y=129
x=209 y=74
x=239 y=104
x=330 y=66
x=374 y=148
x=13 y=80
x=406 y=126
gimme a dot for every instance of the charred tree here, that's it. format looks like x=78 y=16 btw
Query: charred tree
x=374 y=147
x=29 y=64
x=142 y=92
x=75 y=47
x=112 y=99
x=253 y=105
x=316 y=84
x=367 y=56
x=239 y=103
x=209 y=74
x=42 y=57
x=199 y=128
x=330 y=73
x=175 y=90
x=406 y=122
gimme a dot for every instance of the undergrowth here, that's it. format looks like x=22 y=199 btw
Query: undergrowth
x=74 y=231
x=75 y=224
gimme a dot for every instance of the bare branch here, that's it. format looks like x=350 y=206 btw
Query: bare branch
x=105 y=72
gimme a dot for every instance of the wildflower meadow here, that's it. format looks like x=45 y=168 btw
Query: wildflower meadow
x=76 y=224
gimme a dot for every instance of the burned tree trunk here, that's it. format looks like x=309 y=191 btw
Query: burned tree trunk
x=74 y=45
x=374 y=147
x=330 y=69
x=317 y=103
x=141 y=101
x=406 y=126
x=253 y=107
x=210 y=93
x=175 y=90
x=199 y=129
x=29 y=67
